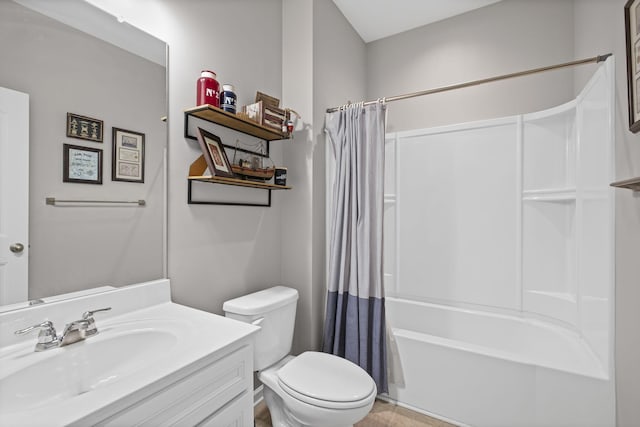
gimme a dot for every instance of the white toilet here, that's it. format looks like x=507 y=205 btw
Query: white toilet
x=312 y=389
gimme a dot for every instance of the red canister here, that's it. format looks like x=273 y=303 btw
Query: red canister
x=208 y=91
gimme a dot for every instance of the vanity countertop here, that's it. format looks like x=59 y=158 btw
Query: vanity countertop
x=146 y=342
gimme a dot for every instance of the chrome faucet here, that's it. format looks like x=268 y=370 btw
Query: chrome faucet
x=78 y=330
x=91 y=323
x=74 y=332
x=46 y=339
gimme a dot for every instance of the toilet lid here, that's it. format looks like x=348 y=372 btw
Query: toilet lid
x=326 y=380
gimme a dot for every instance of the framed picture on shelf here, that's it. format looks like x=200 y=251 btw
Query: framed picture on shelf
x=82 y=164
x=214 y=154
x=632 y=29
x=127 y=163
x=267 y=100
x=82 y=127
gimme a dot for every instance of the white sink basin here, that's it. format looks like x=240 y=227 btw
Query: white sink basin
x=147 y=348
x=54 y=375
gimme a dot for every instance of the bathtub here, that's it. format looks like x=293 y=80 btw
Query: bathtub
x=483 y=369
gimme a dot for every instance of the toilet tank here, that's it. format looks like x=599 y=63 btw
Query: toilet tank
x=274 y=310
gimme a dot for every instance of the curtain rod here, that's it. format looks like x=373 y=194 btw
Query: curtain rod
x=599 y=58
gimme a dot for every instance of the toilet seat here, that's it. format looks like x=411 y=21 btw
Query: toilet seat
x=326 y=381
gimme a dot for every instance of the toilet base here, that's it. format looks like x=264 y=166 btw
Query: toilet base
x=280 y=416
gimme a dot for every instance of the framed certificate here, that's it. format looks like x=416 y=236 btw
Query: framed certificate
x=82 y=164
x=128 y=156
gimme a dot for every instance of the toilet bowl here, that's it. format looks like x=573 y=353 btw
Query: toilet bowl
x=312 y=389
x=317 y=389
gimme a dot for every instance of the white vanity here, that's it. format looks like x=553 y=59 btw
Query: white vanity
x=153 y=363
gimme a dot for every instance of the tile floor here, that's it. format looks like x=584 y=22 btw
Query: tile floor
x=383 y=414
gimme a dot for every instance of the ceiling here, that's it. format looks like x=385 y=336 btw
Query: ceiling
x=376 y=19
x=87 y=17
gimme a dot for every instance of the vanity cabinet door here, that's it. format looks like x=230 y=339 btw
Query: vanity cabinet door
x=219 y=389
x=238 y=413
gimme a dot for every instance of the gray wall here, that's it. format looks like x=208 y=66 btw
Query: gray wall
x=510 y=36
x=216 y=252
x=64 y=70
x=502 y=38
x=297 y=91
x=323 y=62
x=339 y=64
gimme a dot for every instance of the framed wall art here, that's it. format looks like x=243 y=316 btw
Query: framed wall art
x=127 y=156
x=82 y=164
x=82 y=127
x=214 y=154
x=632 y=28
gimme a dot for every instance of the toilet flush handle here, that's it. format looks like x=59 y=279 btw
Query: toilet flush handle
x=258 y=321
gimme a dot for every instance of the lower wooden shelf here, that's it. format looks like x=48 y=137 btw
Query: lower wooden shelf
x=199 y=166
x=239 y=182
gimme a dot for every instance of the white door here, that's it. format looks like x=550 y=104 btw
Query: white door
x=14 y=196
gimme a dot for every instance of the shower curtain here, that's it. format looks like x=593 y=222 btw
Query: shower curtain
x=355 y=319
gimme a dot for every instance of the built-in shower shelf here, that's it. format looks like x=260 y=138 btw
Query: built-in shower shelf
x=550 y=195
x=632 y=184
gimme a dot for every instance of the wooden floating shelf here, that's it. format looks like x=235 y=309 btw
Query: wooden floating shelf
x=632 y=184
x=239 y=182
x=199 y=166
x=232 y=121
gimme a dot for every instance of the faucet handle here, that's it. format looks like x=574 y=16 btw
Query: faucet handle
x=47 y=337
x=46 y=327
x=90 y=313
x=91 y=325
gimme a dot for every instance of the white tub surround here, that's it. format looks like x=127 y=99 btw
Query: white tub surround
x=152 y=361
x=485 y=369
x=499 y=265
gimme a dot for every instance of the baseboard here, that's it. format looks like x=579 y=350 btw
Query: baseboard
x=386 y=398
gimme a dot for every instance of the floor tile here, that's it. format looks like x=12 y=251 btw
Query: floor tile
x=383 y=414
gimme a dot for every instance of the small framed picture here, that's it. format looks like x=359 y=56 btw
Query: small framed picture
x=127 y=156
x=267 y=100
x=82 y=164
x=82 y=127
x=214 y=154
x=632 y=29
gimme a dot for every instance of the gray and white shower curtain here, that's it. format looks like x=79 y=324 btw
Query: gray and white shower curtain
x=355 y=318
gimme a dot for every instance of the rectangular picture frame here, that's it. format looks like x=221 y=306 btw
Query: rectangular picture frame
x=214 y=154
x=267 y=100
x=82 y=165
x=127 y=161
x=632 y=32
x=82 y=127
